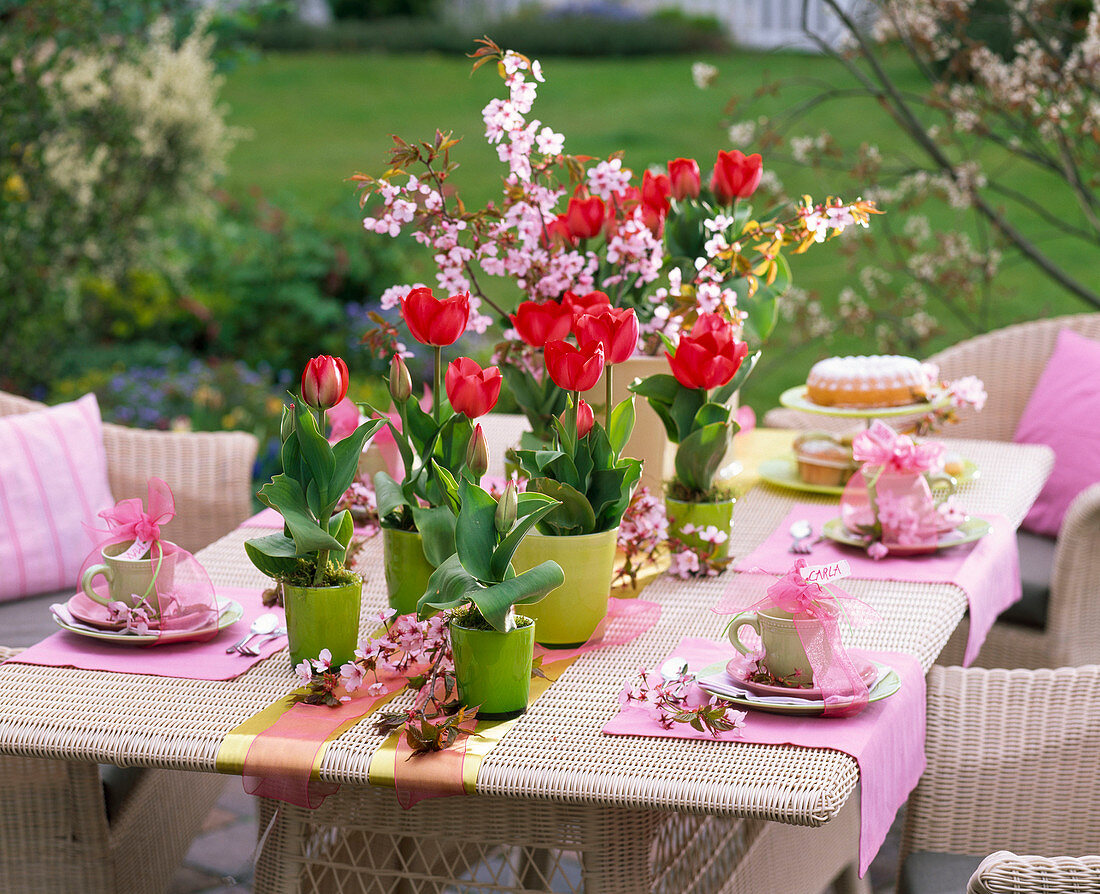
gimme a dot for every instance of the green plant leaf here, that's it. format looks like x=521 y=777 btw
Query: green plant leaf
x=317 y=453
x=709 y=413
x=345 y=454
x=388 y=495
x=342 y=527
x=622 y=425
x=661 y=388
x=422 y=430
x=700 y=455
x=447 y=486
x=722 y=395
x=436 y=525
x=274 y=555
x=476 y=531
x=537 y=507
x=532 y=585
x=284 y=495
x=449 y=587
x=684 y=407
x=573 y=516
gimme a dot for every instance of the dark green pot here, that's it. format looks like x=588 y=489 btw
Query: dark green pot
x=320 y=618
x=494 y=669
x=407 y=569
x=701 y=515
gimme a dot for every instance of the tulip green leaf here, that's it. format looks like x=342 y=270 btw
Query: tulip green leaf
x=475 y=530
x=388 y=495
x=532 y=585
x=317 y=453
x=345 y=454
x=684 y=407
x=283 y=494
x=448 y=587
x=700 y=454
x=573 y=516
x=709 y=413
x=436 y=525
x=722 y=395
x=540 y=505
x=274 y=555
x=622 y=425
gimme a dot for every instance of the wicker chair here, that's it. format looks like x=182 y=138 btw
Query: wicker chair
x=80 y=827
x=1007 y=873
x=1012 y=763
x=1059 y=622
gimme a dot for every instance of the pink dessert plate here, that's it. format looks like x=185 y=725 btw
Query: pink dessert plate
x=868 y=672
x=93 y=613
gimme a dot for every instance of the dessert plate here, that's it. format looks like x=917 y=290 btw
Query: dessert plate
x=795 y=399
x=970 y=530
x=782 y=471
x=230 y=612
x=866 y=668
x=716 y=681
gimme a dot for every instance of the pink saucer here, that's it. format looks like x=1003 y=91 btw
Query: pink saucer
x=93 y=613
x=867 y=671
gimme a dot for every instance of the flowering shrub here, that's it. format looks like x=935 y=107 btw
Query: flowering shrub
x=675 y=702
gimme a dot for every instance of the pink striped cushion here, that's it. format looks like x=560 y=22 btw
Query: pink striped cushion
x=53 y=478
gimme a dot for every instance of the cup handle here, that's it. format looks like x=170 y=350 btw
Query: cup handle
x=949 y=483
x=745 y=619
x=86 y=582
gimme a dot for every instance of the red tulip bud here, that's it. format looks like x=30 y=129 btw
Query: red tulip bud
x=477 y=453
x=735 y=175
x=683 y=175
x=507 y=508
x=324 y=382
x=401 y=386
x=574 y=369
x=585 y=418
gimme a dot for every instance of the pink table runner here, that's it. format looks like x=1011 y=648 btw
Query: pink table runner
x=186 y=660
x=987 y=571
x=886 y=740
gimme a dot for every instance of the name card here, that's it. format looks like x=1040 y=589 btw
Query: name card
x=136 y=550
x=825 y=574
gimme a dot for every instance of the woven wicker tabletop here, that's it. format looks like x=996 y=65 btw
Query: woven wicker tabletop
x=555 y=751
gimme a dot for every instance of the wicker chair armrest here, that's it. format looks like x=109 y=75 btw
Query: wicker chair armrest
x=1007 y=873
x=1012 y=762
x=1074 y=612
x=210 y=474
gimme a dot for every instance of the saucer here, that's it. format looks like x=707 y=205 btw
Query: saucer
x=230 y=612
x=970 y=530
x=867 y=670
x=95 y=614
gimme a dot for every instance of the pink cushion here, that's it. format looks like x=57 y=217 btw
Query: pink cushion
x=1064 y=413
x=53 y=480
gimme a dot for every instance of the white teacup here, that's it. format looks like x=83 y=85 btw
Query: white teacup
x=784 y=654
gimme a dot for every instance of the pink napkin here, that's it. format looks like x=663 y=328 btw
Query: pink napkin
x=886 y=740
x=265 y=518
x=186 y=660
x=987 y=571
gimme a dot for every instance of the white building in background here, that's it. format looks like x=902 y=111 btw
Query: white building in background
x=761 y=24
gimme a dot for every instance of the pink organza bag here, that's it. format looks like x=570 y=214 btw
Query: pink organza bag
x=890 y=498
x=136 y=581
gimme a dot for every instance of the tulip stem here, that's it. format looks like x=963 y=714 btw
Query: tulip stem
x=438 y=386
x=572 y=426
x=607 y=374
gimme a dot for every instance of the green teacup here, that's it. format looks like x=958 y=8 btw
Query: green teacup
x=126 y=577
x=783 y=651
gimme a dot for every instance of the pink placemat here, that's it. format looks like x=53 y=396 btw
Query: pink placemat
x=886 y=740
x=265 y=518
x=987 y=570
x=187 y=660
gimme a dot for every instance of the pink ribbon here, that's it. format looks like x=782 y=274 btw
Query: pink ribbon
x=880 y=445
x=128 y=520
x=815 y=610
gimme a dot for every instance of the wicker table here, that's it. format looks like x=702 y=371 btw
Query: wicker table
x=644 y=814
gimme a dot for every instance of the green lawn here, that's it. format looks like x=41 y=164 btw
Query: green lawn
x=315 y=119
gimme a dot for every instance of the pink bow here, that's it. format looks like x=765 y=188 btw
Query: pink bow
x=128 y=520
x=880 y=445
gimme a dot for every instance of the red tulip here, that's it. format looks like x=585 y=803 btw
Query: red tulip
x=683 y=175
x=585 y=418
x=435 y=322
x=593 y=302
x=557 y=233
x=655 y=205
x=710 y=356
x=584 y=218
x=616 y=329
x=539 y=322
x=324 y=382
x=574 y=369
x=735 y=175
x=471 y=389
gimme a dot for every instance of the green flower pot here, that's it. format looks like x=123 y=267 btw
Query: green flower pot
x=407 y=569
x=701 y=515
x=494 y=669
x=568 y=616
x=320 y=618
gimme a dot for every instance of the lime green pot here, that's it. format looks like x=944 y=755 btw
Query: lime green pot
x=493 y=669
x=319 y=618
x=700 y=515
x=407 y=569
x=568 y=616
